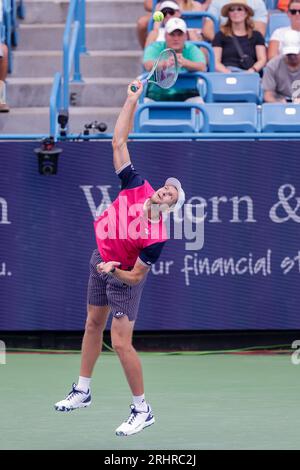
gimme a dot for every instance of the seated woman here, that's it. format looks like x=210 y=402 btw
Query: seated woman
x=237 y=46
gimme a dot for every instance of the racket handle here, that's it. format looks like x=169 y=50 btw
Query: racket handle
x=135 y=88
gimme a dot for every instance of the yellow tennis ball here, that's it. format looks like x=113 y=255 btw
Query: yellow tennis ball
x=158 y=16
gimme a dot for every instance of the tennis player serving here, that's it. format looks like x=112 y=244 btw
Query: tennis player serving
x=130 y=236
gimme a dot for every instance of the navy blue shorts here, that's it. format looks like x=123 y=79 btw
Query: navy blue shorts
x=105 y=289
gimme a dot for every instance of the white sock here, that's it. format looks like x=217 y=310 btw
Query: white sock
x=83 y=384
x=140 y=403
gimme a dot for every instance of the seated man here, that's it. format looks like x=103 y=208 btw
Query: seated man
x=275 y=45
x=260 y=17
x=190 y=58
x=282 y=73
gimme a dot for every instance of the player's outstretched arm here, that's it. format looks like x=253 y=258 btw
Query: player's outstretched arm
x=124 y=125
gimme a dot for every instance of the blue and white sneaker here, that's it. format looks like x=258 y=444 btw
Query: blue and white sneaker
x=137 y=421
x=75 y=399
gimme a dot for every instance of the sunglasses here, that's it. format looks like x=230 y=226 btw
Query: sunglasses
x=236 y=9
x=168 y=11
x=294 y=11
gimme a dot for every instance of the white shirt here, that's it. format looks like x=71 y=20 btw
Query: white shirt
x=279 y=33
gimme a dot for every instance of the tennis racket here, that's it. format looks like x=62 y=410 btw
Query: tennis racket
x=164 y=72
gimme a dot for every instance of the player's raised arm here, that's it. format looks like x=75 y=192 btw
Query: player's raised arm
x=124 y=125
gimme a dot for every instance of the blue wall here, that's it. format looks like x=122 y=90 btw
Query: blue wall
x=47 y=237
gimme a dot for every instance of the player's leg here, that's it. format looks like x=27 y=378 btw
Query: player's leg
x=121 y=338
x=97 y=315
x=141 y=414
x=80 y=395
x=93 y=338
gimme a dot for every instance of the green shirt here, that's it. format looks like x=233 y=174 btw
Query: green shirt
x=154 y=92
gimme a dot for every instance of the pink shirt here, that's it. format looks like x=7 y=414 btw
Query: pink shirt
x=122 y=230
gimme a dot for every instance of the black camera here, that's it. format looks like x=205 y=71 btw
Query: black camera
x=63 y=119
x=94 y=127
x=48 y=157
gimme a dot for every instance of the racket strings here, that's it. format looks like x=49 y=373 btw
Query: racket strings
x=166 y=71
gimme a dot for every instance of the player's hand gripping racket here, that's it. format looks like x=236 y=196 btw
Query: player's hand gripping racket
x=164 y=72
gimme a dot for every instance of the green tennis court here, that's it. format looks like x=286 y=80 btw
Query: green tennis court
x=200 y=402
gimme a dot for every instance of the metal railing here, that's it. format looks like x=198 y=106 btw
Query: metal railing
x=73 y=45
x=55 y=104
x=213 y=136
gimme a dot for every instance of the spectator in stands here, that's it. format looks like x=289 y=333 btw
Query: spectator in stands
x=142 y=23
x=283 y=5
x=190 y=58
x=237 y=46
x=3 y=70
x=184 y=5
x=282 y=74
x=191 y=5
x=275 y=46
x=260 y=17
x=170 y=10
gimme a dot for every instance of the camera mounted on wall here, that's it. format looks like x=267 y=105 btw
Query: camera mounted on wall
x=94 y=128
x=48 y=157
x=63 y=119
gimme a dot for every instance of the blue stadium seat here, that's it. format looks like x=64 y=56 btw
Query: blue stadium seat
x=2 y=32
x=280 y=117
x=163 y=117
x=232 y=117
x=276 y=20
x=194 y=19
x=211 y=55
x=231 y=87
x=185 y=80
x=271 y=4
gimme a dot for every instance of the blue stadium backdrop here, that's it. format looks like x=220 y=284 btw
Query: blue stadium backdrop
x=246 y=276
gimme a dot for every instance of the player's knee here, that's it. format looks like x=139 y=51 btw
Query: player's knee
x=120 y=346
x=92 y=325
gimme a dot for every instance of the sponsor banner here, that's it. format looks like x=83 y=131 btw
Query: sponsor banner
x=236 y=266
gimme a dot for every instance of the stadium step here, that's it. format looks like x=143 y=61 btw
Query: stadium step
x=36 y=120
x=33 y=92
x=113 y=53
x=111 y=36
x=94 y=64
x=100 y=11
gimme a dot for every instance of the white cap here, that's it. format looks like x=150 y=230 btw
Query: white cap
x=175 y=23
x=291 y=42
x=181 y=195
x=172 y=5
